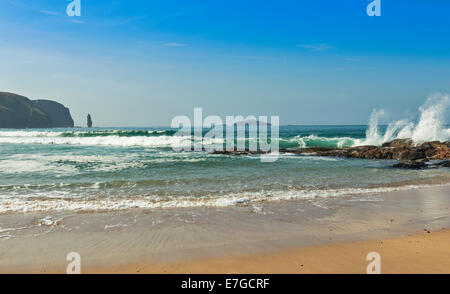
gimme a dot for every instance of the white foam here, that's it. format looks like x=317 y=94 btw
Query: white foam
x=48 y=138
x=430 y=127
x=339 y=142
x=18 y=163
x=13 y=204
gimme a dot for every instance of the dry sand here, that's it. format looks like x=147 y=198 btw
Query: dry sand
x=424 y=253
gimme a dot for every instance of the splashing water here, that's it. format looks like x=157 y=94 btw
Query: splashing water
x=373 y=136
x=431 y=125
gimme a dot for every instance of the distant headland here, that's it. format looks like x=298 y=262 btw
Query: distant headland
x=19 y=112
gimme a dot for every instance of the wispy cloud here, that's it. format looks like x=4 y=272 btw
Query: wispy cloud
x=351 y=59
x=174 y=44
x=73 y=20
x=253 y=57
x=49 y=12
x=316 y=47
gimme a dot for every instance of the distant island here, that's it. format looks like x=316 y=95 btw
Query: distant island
x=19 y=112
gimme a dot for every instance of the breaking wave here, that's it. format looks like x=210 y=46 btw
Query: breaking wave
x=430 y=127
x=14 y=204
x=111 y=140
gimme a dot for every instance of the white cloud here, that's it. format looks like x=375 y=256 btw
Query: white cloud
x=316 y=47
x=49 y=12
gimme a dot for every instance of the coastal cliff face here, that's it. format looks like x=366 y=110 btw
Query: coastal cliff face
x=58 y=113
x=19 y=112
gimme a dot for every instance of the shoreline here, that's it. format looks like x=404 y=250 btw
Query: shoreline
x=232 y=200
x=270 y=237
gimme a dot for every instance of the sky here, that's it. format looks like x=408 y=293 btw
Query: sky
x=140 y=63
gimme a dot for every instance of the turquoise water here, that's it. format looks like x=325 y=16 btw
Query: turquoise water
x=123 y=168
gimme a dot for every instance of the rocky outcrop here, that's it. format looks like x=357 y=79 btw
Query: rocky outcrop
x=411 y=156
x=58 y=113
x=401 y=149
x=399 y=143
x=89 y=121
x=411 y=164
x=19 y=112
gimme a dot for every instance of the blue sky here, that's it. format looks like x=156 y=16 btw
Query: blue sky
x=139 y=63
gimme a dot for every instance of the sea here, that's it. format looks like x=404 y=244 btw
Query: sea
x=107 y=169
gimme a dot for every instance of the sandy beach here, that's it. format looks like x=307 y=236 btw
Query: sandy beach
x=408 y=228
x=423 y=253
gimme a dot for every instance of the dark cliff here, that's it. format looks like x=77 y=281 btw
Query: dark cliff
x=58 y=113
x=19 y=112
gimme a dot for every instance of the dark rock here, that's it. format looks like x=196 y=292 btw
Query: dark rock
x=411 y=154
x=58 y=113
x=89 y=121
x=399 y=143
x=434 y=144
x=410 y=165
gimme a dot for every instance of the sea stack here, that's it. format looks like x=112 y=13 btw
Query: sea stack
x=89 y=121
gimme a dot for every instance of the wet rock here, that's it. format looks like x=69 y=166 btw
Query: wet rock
x=445 y=163
x=435 y=144
x=441 y=153
x=402 y=143
x=411 y=154
x=410 y=164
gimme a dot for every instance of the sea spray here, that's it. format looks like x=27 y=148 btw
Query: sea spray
x=431 y=124
x=373 y=136
x=430 y=127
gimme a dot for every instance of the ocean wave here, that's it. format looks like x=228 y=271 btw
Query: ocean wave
x=63 y=164
x=317 y=141
x=117 y=133
x=112 y=140
x=87 y=133
x=13 y=204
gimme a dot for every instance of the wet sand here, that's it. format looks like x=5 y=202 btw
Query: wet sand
x=329 y=235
